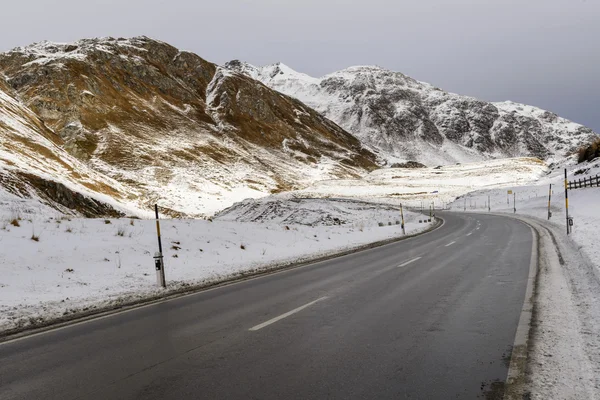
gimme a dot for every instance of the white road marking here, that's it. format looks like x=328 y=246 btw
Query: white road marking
x=469 y=234
x=408 y=262
x=287 y=314
x=450 y=244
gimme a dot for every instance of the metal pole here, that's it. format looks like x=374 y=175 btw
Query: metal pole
x=567 y=202
x=162 y=280
x=549 y=199
x=402 y=215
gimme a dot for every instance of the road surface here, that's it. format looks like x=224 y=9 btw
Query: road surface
x=432 y=317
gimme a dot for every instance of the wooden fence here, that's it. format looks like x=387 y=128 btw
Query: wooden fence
x=593 y=181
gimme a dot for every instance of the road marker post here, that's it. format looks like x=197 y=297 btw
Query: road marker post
x=515 y=202
x=402 y=216
x=567 y=204
x=549 y=199
x=489 y=204
x=159 y=262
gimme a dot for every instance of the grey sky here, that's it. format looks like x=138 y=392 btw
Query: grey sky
x=540 y=52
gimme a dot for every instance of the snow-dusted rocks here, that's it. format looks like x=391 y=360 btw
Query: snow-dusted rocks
x=404 y=119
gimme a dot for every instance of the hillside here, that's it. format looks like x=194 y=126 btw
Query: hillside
x=172 y=128
x=407 y=120
x=33 y=165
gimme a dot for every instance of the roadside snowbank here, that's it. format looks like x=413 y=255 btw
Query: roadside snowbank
x=564 y=357
x=81 y=264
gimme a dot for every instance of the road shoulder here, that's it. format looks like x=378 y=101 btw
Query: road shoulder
x=557 y=356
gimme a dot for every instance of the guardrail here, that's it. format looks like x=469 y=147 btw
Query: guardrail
x=593 y=181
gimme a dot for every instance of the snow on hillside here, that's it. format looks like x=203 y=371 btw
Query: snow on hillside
x=27 y=148
x=81 y=264
x=171 y=128
x=287 y=209
x=440 y=185
x=403 y=119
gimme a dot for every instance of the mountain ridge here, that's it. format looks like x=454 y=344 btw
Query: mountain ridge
x=404 y=119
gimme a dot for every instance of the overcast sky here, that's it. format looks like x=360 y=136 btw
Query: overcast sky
x=540 y=52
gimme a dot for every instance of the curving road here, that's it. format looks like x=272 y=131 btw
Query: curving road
x=432 y=317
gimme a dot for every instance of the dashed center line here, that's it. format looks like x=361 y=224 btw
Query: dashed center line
x=469 y=234
x=287 y=314
x=408 y=262
x=450 y=244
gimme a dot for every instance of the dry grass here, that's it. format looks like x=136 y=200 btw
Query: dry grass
x=589 y=152
x=15 y=222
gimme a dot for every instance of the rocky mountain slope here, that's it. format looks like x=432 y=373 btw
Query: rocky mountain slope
x=404 y=119
x=34 y=165
x=164 y=125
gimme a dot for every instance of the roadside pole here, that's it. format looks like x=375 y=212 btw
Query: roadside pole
x=549 y=199
x=465 y=204
x=158 y=257
x=489 y=205
x=567 y=202
x=514 y=202
x=402 y=216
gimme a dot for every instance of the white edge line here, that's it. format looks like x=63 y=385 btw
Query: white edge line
x=450 y=244
x=408 y=262
x=287 y=314
x=524 y=325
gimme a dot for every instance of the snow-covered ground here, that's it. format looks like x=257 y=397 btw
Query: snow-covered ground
x=439 y=185
x=78 y=264
x=584 y=204
x=564 y=360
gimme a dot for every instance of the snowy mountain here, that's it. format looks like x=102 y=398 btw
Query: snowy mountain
x=162 y=125
x=404 y=119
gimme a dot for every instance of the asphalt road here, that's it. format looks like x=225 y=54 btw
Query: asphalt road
x=432 y=317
